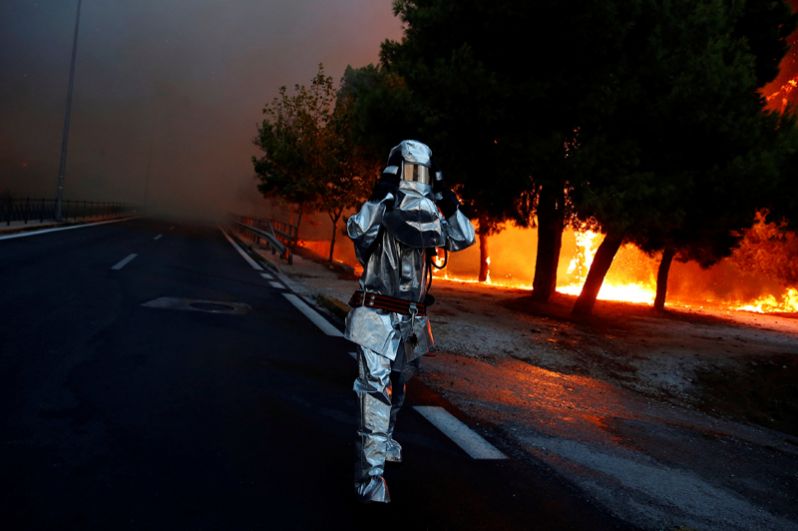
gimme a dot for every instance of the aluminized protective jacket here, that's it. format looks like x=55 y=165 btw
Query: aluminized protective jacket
x=392 y=243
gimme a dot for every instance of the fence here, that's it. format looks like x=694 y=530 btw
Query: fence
x=41 y=210
x=278 y=236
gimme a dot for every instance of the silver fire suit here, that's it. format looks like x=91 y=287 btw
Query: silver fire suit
x=392 y=244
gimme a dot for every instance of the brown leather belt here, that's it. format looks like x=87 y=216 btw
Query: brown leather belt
x=384 y=302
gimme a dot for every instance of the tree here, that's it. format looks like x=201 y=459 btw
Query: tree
x=380 y=109
x=352 y=168
x=310 y=155
x=711 y=230
x=292 y=136
x=501 y=124
x=675 y=163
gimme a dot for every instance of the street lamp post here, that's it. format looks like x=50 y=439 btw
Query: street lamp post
x=59 y=198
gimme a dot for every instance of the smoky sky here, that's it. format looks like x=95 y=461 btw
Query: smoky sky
x=170 y=89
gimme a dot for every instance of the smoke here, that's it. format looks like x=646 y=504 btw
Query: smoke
x=167 y=93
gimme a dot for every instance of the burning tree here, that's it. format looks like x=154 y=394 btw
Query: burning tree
x=678 y=161
x=501 y=125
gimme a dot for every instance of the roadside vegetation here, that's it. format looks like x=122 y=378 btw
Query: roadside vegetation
x=643 y=120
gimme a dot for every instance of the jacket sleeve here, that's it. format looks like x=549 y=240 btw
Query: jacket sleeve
x=459 y=232
x=364 y=227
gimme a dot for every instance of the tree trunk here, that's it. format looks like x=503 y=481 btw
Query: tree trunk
x=595 y=277
x=662 y=278
x=550 y=214
x=484 y=257
x=334 y=219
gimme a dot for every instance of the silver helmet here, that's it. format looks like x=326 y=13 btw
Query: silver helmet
x=414 y=219
x=411 y=161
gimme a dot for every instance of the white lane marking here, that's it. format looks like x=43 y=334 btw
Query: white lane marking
x=467 y=439
x=158 y=237
x=244 y=255
x=314 y=316
x=267 y=276
x=276 y=285
x=123 y=262
x=57 y=229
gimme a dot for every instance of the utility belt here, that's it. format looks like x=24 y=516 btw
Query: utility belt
x=384 y=302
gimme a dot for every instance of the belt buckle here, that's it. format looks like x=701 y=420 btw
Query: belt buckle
x=412 y=309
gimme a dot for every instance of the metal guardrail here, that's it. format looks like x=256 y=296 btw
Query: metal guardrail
x=278 y=236
x=31 y=210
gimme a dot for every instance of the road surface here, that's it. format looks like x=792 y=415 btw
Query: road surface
x=151 y=378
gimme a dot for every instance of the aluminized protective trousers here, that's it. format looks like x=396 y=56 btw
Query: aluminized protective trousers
x=380 y=388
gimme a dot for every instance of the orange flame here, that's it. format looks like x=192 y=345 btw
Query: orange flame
x=786 y=303
x=780 y=98
x=587 y=242
x=631 y=278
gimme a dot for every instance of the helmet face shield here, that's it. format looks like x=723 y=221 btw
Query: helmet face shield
x=415 y=173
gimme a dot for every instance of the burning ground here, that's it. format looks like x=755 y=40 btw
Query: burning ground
x=687 y=419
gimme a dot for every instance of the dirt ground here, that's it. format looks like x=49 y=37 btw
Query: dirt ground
x=682 y=420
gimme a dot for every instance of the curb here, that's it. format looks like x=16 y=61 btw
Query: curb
x=41 y=226
x=333 y=309
x=25 y=228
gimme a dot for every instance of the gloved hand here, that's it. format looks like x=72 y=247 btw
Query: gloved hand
x=386 y=184
x=438 y=184
x=448 y=202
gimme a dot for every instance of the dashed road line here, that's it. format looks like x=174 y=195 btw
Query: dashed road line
x=467 y=439
x=244 y=255
x=158 y=237
x=314 y=316
x=58 y=229
x=123 y=262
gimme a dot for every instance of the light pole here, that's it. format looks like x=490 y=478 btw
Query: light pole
x=59 y=197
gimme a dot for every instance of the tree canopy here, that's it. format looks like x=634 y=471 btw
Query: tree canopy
x=501 y=87
x=680 y=158
x=309 y=155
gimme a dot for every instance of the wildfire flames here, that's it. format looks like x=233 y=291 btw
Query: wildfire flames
x=787 y=303
x=632 y=277
x=632 y=281
x=780 y=98
x=587 y=243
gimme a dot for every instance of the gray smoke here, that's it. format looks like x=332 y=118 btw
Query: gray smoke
x=172 y=89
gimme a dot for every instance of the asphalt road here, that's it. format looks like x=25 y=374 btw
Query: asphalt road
x=116 y=415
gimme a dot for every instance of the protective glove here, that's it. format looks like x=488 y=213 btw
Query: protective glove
x=386 y=184
x=438 y=184
x=448 y=202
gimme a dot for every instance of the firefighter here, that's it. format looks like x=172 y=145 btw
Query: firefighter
x=410 y=213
